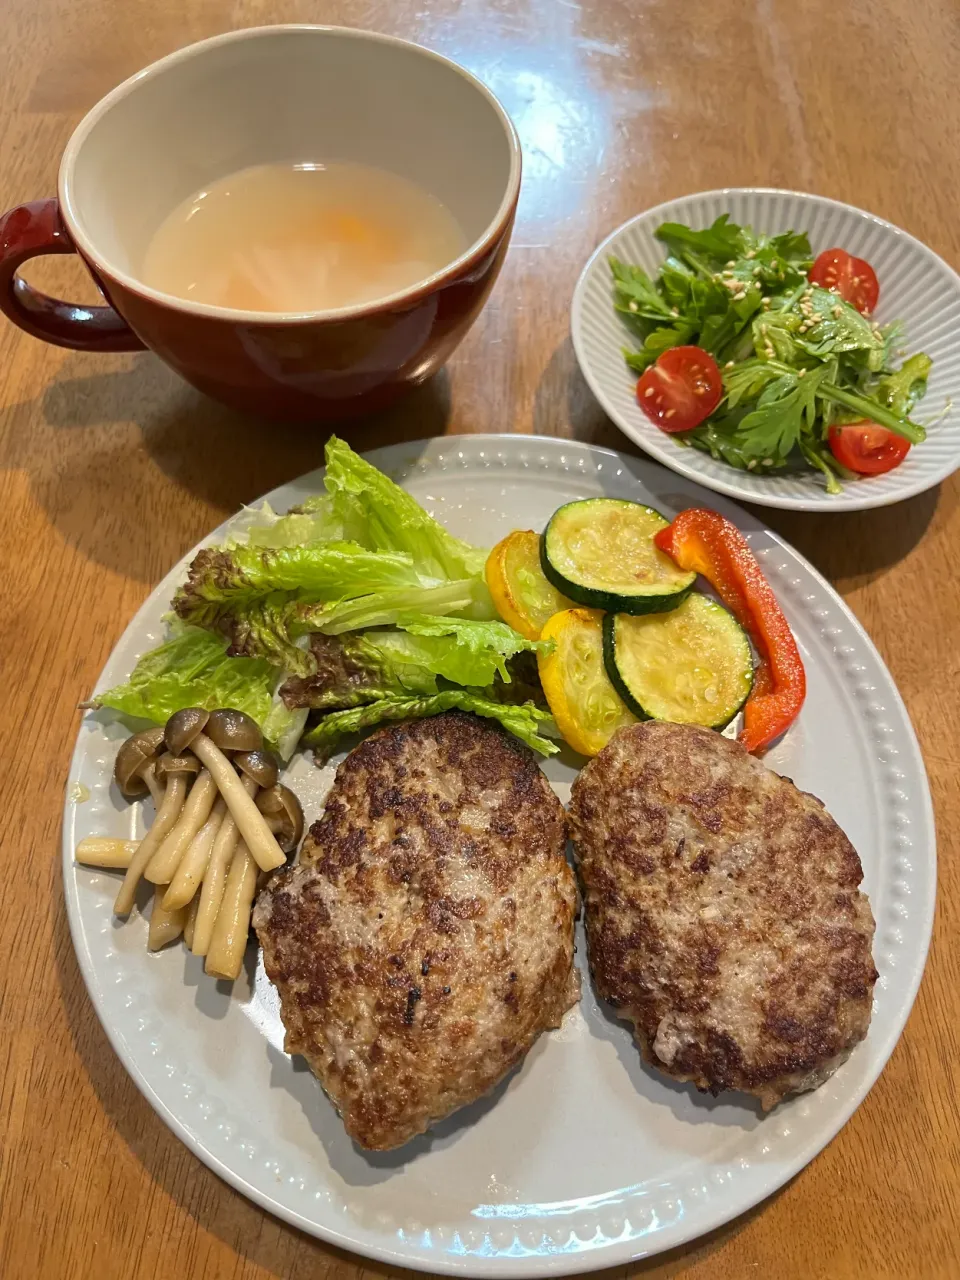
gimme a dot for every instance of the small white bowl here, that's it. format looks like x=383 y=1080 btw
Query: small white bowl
x=915 y=286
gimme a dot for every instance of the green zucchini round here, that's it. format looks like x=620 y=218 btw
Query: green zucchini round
x=599 y=552
x=691 y=666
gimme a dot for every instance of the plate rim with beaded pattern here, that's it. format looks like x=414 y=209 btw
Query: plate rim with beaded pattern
x=916 y=285
x=538 y=1179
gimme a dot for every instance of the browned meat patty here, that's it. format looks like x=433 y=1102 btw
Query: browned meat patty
x=425 y=939
x=723 y=911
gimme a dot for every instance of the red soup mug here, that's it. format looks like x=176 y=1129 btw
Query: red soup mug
x=264 y=95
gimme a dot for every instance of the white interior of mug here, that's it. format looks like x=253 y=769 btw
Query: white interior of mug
x=276 y=94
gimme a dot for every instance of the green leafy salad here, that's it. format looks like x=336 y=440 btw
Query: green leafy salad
x=752 y=351
x=354 y=608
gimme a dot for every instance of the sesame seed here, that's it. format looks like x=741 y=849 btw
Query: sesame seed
x=648 y=392
x=751 y=464
x=670 y=413
x=773 y=262
x=728 y=365
x=739 y=297
x=731 y=263
x=766 y=302
x=767 y=462
x=674 y=311
x=769 y=352
x=633 y=306
x=752 y=253
x=801 y=373
x=838 y=311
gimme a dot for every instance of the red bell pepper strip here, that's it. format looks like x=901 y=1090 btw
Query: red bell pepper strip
x=703 y=541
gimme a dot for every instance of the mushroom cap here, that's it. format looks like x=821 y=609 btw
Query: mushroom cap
x=284 y=815
x=185 y=762
x=133 y=757
x=261 y=766
x=182 y=727
x=232 y=730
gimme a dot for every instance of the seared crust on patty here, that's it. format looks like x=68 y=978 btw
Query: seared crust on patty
x=723 y=912
x=425 y=939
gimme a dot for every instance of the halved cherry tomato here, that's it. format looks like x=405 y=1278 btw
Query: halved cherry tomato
x=867 y=448
x=853 y=278
x=681 y=389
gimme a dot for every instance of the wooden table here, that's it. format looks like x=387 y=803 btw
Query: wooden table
x=111 y=469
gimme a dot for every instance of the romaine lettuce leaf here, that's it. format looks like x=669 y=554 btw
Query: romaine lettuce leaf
x=192 y=670
x=524 y=722
x=273 y=627
x=364 y=666
x=387 y=519
x=239 y=575
x=461 y=651
x=313 y=521
x=468 y=597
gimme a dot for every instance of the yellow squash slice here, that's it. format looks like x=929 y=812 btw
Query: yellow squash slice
x=524 y=598
x=587 y=708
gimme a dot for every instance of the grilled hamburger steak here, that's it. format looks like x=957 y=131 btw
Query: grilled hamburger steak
x=723 y=912
x=425 y=939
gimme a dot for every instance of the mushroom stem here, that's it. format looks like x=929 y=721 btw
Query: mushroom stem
x=164 y=925
x=193 y=864
x=211 y=892
x=191 y=921
x=154 y=785
x=229 y=941
x=105 y=851
x=164 y=863
x=164 y=822
x=255 y=832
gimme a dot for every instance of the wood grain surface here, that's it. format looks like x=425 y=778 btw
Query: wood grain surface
x=110 y=469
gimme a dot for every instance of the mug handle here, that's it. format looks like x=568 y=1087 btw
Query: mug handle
x=28 y=231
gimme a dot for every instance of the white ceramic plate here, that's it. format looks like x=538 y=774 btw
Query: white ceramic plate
x=583 y=1158
x=915 y=286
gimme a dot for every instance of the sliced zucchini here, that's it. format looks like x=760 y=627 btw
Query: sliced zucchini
x=523 y=597
x=600 y=553
x=691 y=666
x=587 y=708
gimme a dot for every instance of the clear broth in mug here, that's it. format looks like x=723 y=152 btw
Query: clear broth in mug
x=302 y=237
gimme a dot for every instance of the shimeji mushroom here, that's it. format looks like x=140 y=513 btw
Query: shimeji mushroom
x=233 y=731
x=211 y=891
x=229 y=939
x=261 y=766
x=171 y=807
x=105 y=851
x=190 y=870
x=191 y=921
x=185 y=729
x=196 y=810
x=134 y=760
x=165 y=925
x=209 y=838
x=283 y=813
